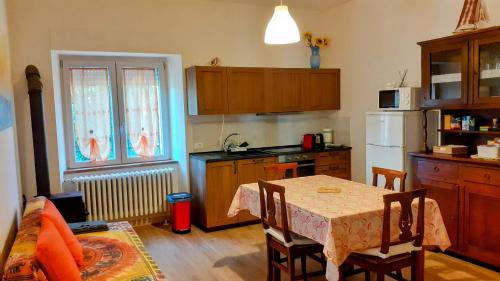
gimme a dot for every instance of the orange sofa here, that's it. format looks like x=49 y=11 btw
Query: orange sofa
x=117 y=254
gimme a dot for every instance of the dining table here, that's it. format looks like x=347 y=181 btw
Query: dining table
x=344 y=221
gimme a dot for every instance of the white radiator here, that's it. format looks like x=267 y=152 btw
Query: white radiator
x=126 y=196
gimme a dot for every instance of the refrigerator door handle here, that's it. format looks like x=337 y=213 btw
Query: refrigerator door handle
x=398 y=146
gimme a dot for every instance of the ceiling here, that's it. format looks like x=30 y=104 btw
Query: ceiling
x=301 y=4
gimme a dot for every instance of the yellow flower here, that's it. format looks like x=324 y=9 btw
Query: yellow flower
x=319 y=42
x=326 y=42
x=307 y=35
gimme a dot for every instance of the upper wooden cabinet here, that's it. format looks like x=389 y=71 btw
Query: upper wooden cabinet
x=287 y=88
x=323 y=89
x=207 y=90
x=246 y=89
x=462 y=71
x=237 y=90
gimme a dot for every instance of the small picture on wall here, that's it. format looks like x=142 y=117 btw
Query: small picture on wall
x=6 y=116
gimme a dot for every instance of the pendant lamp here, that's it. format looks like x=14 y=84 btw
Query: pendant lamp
x=281 y=29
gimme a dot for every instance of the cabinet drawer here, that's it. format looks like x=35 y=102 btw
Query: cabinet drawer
x=335 y=170
x=482 y=175
x=437 y=170
x=337 y=157
x=267 y=160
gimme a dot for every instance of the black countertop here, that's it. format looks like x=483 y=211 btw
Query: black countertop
x=218 y=156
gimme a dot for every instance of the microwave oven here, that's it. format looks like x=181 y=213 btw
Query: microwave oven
x=398 y=99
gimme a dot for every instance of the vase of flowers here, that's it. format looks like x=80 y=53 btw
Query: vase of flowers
x=315 y=44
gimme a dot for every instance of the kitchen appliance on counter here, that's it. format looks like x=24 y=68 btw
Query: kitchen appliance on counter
x=405 y=98
x=328 y=136
x=390 y=136
x=308 y=142
x=319 y=142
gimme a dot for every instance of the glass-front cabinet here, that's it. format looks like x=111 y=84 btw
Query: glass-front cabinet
x=444 y=74
x=462 y=71
x=486 y=78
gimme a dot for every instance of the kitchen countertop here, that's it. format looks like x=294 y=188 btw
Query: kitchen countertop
x=262 y=152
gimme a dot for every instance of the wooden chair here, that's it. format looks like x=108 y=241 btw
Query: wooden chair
x=279 y=171
x=280 y=240
x=392 y=256
x=390 y=177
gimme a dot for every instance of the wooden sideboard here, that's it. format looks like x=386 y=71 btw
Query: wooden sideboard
x=468 y=194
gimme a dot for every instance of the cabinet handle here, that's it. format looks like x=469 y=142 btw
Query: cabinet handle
x=487 y=177
x=258 y=160
x=436 y=169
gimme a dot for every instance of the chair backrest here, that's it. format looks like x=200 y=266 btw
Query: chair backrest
x=268 y=208
x=405 y=221
x=278 y=171
x=390 y=177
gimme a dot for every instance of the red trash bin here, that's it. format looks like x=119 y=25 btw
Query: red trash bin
x=180 y=211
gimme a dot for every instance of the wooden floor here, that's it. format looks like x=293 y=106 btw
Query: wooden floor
x=239 y=254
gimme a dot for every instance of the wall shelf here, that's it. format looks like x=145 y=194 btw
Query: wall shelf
x=446 y=78
x=469 y=132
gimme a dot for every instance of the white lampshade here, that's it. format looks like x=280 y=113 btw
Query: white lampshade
x=281 y=29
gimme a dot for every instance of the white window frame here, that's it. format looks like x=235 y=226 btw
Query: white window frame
x=114 y=64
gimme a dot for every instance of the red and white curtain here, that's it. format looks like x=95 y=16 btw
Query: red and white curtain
x=473 y=15
x=90 y=96
x=142 y=109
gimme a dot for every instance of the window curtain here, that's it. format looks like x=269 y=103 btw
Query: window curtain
x=90 y=96
x=142 y=109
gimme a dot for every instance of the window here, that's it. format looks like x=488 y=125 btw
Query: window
x=115 y=111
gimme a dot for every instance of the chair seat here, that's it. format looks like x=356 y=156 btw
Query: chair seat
x=297 y=239
x=393 y=250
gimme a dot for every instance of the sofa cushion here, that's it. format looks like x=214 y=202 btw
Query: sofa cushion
x=21 y=263
x=53 y=254
x=50 y=212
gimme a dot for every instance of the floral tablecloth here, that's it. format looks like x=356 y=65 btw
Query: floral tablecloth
x=343 y=222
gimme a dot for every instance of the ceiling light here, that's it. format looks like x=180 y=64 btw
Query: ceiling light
x=281 y=29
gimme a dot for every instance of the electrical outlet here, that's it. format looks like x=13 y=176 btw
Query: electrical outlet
x=198 y=145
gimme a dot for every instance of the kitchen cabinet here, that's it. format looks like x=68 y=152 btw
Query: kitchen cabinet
x=335 y=164
x=462 y=71
x=323 y=89
x=246 y=90
x=249 y=171
x=468 y=195
x=214 y=185
x=287 y=90
x=239 y=90
x=207 y=90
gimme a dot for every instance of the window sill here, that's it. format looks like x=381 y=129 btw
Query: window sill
x=118 y=167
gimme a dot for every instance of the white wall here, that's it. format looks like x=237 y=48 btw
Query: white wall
x=372 y=40
x=198 y=30
x=9 y=186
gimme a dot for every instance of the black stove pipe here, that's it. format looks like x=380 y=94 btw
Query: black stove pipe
x=35 y=88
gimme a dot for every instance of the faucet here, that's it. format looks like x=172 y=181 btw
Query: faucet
x=226 y=148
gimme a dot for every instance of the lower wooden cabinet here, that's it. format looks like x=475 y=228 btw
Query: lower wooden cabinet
x=447 y=196
x=335 y=164
x=214 y=185
x=482 y=222
x=468 y=196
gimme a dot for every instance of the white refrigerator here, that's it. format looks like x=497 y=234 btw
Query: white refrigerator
x=390 y=136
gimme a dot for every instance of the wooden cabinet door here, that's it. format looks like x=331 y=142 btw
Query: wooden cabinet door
x=445 y=73
x=482 y=222
x=250 y=171
x=447 y=197
x=246 y=89
x=220 y=190
x=286 y=90
x=486 y=71
x=323 y=89
x=207 y=90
